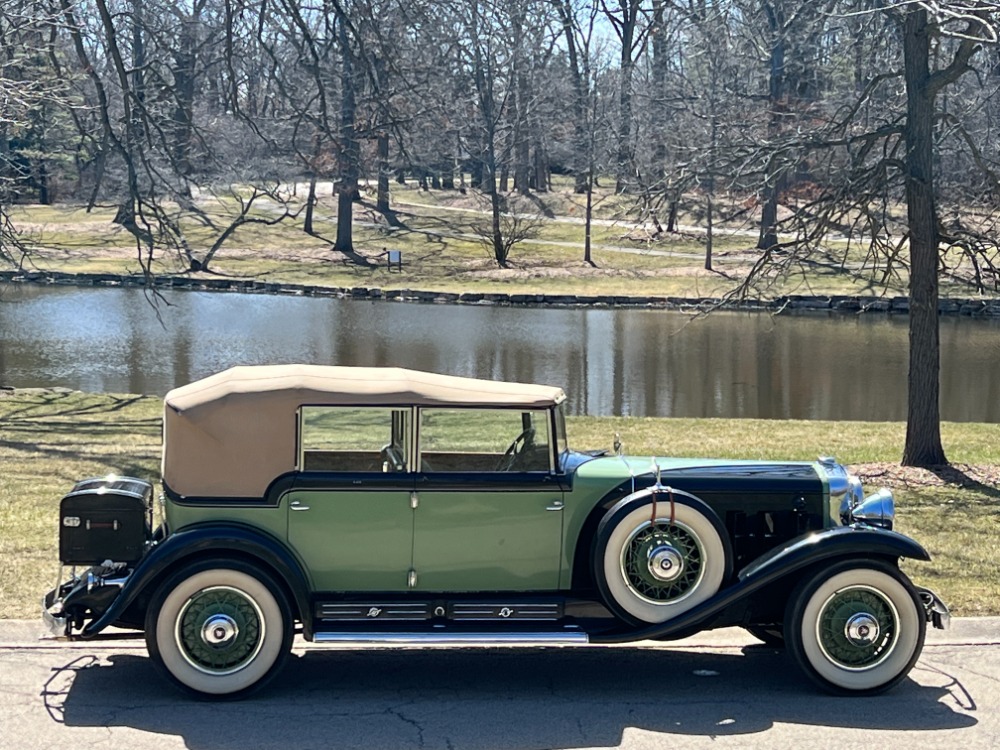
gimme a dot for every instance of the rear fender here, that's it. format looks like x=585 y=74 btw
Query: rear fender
x=209 y=541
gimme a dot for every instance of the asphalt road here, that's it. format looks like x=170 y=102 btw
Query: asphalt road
x=714 y=690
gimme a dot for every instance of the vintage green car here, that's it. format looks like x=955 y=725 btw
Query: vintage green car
x=388 y=506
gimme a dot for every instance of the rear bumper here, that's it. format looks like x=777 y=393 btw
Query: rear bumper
x=55 y=624
x=83 y=598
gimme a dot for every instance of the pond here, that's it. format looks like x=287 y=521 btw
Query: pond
x=610 y=361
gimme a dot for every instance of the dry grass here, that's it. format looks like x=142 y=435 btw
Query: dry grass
x=434 y=229
x=49 y=441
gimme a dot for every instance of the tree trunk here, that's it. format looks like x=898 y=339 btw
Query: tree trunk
x=447 y=174
x=521 y=145
x=542 y=183
x=624 y=156
x=499 y=251
x=476 y=173
x=588 y=217
x=768 y=237
x=184 y=71
x=672 y=214
x=578 y=77
x=310 y=205
x=138 y=72
x=660 y=62
x=347 y=187
x=708 y=232
x=923 y=422
x=382 y=201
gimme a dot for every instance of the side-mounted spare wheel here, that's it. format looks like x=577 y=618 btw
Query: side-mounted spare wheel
x=855 y=628
x=655 y=559
x=219 y=629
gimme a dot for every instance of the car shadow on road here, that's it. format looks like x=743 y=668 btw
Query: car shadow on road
x=494 y=699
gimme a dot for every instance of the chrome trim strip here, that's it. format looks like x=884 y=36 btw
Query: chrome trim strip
x=372 y=610
x=453 y=639
x=485 y=611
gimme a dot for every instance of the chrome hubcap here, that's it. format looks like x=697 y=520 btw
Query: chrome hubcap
x=665 y=563
x=862 y=629
x=858 y=627
x=219 y=630
x=662 y=562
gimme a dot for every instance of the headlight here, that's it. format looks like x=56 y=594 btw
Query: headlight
x=876 y=510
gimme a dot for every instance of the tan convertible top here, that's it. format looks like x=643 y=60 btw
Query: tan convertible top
x=231 y=434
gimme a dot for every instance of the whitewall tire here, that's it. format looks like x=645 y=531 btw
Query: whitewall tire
x=219 y=630
x=649 y=568
x=856 y=628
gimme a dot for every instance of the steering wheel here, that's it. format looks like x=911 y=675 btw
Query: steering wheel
x=518 y=444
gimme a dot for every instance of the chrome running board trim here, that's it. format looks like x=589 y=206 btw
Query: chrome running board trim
x=453 y=639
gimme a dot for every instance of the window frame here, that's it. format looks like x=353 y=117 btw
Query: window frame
x=550 y=422
x=408 y=411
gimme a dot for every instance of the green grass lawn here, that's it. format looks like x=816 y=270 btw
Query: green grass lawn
x=50 y=440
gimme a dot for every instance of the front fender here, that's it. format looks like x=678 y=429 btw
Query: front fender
x=213 y=539
x=844 y=542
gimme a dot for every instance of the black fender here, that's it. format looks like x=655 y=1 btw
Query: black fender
x=209 y=540
x=861 y=543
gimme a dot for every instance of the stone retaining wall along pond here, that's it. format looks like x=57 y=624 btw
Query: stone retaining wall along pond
x=976 y=307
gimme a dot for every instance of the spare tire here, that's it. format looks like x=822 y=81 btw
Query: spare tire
x=654 y=560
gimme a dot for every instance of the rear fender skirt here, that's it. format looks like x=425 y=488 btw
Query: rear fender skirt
x=859 y=543
x=211 y=539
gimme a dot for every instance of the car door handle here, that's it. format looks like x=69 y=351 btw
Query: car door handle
x=297 y=505
x=556 y=505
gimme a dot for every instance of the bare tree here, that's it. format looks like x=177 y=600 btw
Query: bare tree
x=868 y=168
x=30 y=97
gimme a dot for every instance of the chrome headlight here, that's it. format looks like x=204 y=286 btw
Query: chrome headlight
x=876 y=510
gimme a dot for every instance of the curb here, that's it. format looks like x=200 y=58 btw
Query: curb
x=970 y=307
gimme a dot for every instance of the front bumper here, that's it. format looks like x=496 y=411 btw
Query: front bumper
x=937 y=611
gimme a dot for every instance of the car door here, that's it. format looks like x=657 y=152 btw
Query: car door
x=488 y=513
x=350 y=518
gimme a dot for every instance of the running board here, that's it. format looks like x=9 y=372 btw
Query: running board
x=452 y=639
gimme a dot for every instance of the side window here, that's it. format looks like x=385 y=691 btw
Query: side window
x=352 y=439
x=484 y=440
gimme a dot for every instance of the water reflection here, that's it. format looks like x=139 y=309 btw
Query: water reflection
x=628 y=362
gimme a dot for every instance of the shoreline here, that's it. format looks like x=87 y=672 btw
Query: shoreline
x=968 y=307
